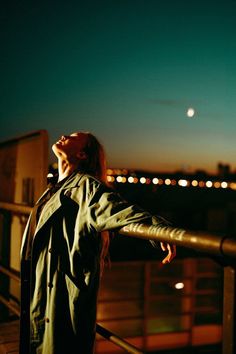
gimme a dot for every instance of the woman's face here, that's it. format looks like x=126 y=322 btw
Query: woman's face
x=71 y=146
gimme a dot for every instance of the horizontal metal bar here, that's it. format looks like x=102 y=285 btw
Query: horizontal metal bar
x=16 y=208
x=199 y=241
x=10 y=273
x=117 y=340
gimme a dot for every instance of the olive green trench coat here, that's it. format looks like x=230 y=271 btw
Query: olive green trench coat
x=60 y=277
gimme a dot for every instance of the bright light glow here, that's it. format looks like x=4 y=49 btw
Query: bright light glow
x=183 y=183
x=179 y=286
x=135 y=180
x=167 y=181
x=49 y=175
x=143 y=180
x=109 y=171
x=194 y=183
x=217 y=184
x=155 y=180
x=173 y=182
x=190 y=112
x=110 y=179
x=119 y=179
x=232 y=185
x=124 y=179
x=131 y=179
x=224 y=184
x=201 y=184
x=209 y=184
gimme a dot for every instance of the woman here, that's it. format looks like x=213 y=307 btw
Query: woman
x=63 y=249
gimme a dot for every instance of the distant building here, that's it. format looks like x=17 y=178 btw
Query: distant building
x=223 y=170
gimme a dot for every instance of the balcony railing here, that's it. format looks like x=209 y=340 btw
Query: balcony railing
x=221 y=247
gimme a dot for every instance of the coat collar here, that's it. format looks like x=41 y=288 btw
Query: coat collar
x=54 y=202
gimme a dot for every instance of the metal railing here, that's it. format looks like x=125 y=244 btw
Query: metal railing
x=129 y=348
x=211 y=244
x=219 y=246
x=25 y=210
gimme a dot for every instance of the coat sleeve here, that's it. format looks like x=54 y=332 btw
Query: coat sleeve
x=109 y=211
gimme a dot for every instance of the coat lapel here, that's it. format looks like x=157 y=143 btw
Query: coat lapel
x=54 y=202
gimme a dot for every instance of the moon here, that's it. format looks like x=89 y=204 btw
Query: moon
x=190 y=112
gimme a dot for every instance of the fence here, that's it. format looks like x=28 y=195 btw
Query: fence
x=222 y=247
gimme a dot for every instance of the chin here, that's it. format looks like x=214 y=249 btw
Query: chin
x=56 y=148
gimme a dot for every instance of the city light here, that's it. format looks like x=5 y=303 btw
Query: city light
x=155 y=180
x=179 y=286
x=143 y=180
x=194 y=183
x=183 y=183
x=119 y=179
x=201 y=184
x=110 y=179
x=131 y=179
x=114 y=176
x=209 y=184
x=109 y=171
x=167 y=181
x=232 y=186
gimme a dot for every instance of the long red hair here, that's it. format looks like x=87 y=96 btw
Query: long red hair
x=95 y=165
x=95 y=162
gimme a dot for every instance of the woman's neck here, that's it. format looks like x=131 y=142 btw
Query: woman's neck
x=65 y=169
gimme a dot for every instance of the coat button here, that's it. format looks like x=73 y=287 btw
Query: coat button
x=50 y=285
x=50 y=250
x=47 y=319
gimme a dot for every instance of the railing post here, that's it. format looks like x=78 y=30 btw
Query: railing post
x=229 y=311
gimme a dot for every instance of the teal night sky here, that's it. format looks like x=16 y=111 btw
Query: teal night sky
x=126 y=70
